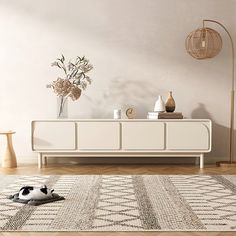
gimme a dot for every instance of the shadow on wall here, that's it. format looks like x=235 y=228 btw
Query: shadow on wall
x=123 y=93
x=220 y=137
x=142 y=94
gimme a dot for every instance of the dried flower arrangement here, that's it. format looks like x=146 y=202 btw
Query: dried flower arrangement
x=76 y=79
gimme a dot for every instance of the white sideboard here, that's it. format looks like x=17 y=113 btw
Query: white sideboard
x=121 y=138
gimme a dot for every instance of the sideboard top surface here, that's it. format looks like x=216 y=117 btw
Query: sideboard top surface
x=122 y=120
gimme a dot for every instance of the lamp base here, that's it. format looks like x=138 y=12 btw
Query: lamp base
x=225 y=164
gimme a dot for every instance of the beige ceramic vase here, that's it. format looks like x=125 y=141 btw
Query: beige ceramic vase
x=170 y=103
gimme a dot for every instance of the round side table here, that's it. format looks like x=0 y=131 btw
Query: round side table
x=9 y=158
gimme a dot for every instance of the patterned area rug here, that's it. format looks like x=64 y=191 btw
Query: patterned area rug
x=124 y=203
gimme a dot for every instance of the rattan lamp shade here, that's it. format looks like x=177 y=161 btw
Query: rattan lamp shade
x=203 y=43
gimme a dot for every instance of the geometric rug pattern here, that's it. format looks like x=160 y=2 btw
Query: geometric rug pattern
x=117 y=204
x=123 y=203
x=210 y=198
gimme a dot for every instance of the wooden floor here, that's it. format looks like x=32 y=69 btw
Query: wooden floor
x=121 y=170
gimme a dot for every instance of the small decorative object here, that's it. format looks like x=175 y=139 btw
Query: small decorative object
x=159 y=105
x=164 y=115
x=130 y=113
x=62 y=107
x=74 y=81
x=170 y=103
x=117 y=114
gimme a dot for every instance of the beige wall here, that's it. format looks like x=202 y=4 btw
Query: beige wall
x=136 y=47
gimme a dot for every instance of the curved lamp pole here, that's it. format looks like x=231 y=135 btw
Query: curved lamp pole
x=231 y=145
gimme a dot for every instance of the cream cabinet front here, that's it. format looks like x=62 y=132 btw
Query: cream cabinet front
x=54 y=136
x=143 y=136
x=98 y=135
x=188 y=136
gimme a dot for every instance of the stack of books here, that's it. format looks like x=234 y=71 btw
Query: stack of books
x=165 y=115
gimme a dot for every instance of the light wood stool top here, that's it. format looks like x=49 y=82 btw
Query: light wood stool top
x=7 y=132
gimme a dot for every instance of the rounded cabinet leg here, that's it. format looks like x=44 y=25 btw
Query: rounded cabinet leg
x=201 y=161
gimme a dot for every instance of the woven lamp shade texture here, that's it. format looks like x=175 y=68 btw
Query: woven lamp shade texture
x=203 y=43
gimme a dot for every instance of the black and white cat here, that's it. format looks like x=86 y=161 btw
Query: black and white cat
x=32 y=193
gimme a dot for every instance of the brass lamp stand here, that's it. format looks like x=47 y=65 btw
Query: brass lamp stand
x=206 y=43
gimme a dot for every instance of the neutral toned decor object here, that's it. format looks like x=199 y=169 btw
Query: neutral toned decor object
x=124 y=203
x=9 y=158
x=205 y=43
x=170 y=115
x=75 y=80
x=117 y=114
x=165 y=115
x=170 y=103
x=121 y=138
x=130 y=113
x=62 y=108
x=159 y=105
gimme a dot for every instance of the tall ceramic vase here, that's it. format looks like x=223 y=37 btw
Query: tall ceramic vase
x=170 y=103
x=159 y=105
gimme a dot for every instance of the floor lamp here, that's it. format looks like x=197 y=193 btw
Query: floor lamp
x=206 y=43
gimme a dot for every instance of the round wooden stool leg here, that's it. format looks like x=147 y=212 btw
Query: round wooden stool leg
x=9 y=159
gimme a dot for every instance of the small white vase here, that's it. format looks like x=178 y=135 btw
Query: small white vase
x=159 y=105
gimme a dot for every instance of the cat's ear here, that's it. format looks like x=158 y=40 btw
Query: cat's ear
x=52 y=190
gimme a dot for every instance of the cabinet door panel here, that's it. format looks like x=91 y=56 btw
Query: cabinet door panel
x=54 y=136
x=143 y=135
x=99 y=135
x=188 y=136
